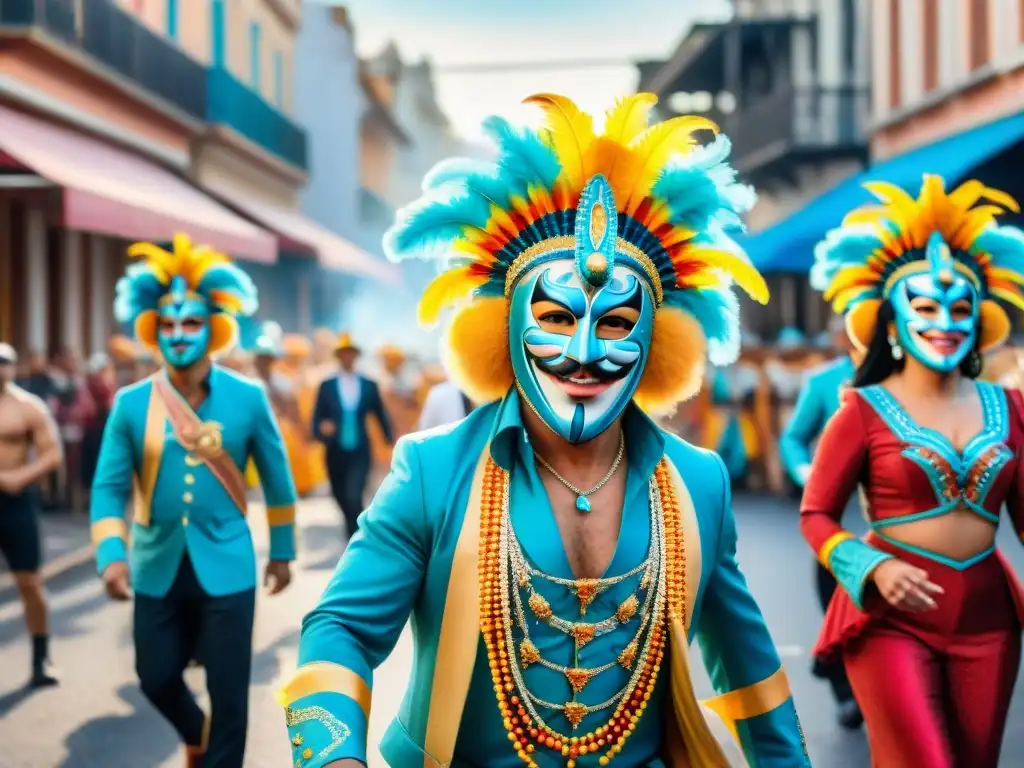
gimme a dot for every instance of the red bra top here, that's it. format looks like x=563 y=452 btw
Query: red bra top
x=909 y=472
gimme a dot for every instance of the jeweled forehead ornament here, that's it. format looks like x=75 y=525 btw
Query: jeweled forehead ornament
x=952 y=236
x=647 y=197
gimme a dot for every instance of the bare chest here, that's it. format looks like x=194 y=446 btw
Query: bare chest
x=15 y=421
x=588 y=538
x=958 y=422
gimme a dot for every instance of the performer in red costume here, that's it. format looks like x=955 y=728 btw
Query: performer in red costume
x=929 y=618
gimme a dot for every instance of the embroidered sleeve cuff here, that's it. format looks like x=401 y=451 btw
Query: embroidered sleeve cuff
x=852 y=561
x=327 y=710
x=109 y=536
x=325 y=727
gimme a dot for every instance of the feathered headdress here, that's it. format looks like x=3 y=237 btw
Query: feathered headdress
x=650 y=197
x=187 y=270
x=857 y=264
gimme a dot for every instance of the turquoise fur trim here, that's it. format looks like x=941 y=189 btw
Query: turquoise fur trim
x=958 y=479
x=851 y=562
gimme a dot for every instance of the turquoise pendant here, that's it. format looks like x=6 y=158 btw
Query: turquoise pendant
x=582 y=504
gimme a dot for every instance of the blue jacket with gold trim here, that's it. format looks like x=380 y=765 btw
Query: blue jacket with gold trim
x=416 y=555
x=180 y=506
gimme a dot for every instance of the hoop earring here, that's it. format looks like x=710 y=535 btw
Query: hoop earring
x=896 y=349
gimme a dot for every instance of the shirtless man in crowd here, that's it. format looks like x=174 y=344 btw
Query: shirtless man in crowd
x=29 y=451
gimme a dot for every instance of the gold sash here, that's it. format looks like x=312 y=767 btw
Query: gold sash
x=203 y=441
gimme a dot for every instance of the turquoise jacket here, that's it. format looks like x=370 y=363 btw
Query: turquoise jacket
x=415 y=555
x=818 y=400
x=179 y=505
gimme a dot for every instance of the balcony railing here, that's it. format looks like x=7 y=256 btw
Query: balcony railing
x=801 y=120
x=231 y=103
x=118 y=40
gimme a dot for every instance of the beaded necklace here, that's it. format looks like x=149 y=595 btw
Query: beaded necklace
x=526 y=730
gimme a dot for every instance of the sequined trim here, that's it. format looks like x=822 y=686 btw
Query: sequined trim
x=338 y=730
x=958 y=479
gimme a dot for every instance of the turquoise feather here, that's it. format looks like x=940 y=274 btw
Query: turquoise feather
x=434 y=222
x=523 y=156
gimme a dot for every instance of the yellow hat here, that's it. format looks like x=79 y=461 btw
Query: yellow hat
x=295 y=345
x=391 y=352
x=345 y=342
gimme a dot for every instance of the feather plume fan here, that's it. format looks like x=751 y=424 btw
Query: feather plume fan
x=678 y=203
x=855 y=260
x=225 y=287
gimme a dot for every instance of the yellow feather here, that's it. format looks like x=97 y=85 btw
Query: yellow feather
x=890 y=194
x=628 y=118
x=446 y=290
x=967 y=194
x=469 y=248
x=572 y=132
x=851 y=277
x=615 y=161
x=741 y=271
x=1010 y=297
x=655 y=146
x=1001 y=198
x=1008 y=275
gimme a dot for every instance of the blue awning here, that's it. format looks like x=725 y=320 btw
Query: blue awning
x=788 y=246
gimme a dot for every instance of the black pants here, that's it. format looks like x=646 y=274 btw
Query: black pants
x=835 y=673
x=348 y=472
x=188 y=624
x=20 y=542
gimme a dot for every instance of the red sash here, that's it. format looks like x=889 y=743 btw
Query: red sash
x=203 y=441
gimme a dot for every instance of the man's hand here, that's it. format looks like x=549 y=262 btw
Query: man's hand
x=12 y=481
x=277 y=576
x=117 y=580
x=327 y=428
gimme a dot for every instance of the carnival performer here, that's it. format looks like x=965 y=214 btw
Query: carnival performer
x=184 y=435
x=929 y=617
x=30 y=450
x=556 y=549
x=818 y=401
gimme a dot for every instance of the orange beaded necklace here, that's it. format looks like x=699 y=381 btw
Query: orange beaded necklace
x=524 y=733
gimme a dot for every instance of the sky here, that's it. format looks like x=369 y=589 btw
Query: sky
x=454 y=32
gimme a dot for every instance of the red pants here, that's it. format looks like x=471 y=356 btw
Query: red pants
x=935 y=687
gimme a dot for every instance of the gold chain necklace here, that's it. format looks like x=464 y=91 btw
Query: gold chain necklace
x=582 y=502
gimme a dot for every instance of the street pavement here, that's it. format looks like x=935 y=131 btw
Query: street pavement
x=98 y=719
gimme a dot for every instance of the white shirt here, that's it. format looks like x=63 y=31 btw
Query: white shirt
x=350 y=390
x=444 y=405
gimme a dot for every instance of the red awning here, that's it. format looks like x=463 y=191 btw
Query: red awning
x=112 y=192
x=297 y=232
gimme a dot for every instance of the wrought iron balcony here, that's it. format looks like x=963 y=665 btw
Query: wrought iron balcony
x=229 y=102
x=797 y=123
x=115 y=38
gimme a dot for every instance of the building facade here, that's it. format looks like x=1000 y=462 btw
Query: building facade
x=788 y=81
x=97 y=117
x=943 y=68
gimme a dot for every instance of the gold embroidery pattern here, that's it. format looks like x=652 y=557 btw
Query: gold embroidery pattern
x=338 y=730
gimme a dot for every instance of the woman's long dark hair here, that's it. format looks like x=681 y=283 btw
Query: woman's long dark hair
x=878 y=363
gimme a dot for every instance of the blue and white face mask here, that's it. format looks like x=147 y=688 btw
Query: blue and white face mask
x=937 y=311
x=183 y=331
x=578 y=351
